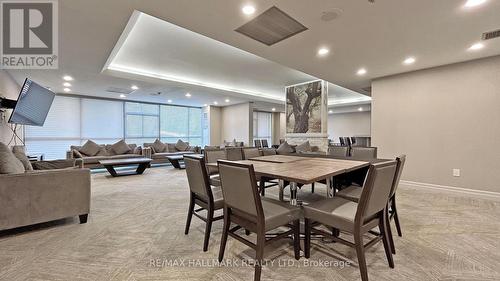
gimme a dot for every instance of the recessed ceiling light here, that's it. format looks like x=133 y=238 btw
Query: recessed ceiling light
x=273 y=109
x=68 y=78
x=248 y=10
x=188 y=95
x=134 y=87
x=330 y=111
x=323 y=51
x=66 y=84
x=216 y=103
x=205 y=105
x=474 y=3
x=361 y=71
x=477 y=46
x=227 y=100
x=67 y=90
x=360 y=109
x=123 y=96
x=169 y=101
x=409 y=60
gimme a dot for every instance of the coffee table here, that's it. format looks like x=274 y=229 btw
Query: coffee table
x=110 y=165
x=178 y=160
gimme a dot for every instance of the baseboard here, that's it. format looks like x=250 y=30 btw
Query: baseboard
x=481 y=193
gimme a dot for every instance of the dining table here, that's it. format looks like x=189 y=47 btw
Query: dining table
x=298 y=170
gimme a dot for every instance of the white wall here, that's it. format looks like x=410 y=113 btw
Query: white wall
x=349 y=124
x=8 y=89
x=215 y=126
x=237 y=123
x=442 y=118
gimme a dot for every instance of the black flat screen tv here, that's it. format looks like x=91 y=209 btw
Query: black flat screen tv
x=33 y=104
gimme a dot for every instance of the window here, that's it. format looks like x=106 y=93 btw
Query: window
x=262 y=126
x=73 y=121
x=141 y=122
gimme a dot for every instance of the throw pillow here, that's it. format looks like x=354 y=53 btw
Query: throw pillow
x=77 y=154
x=90 y=148
x=21 y=155
x=9 y=164
x=158 y=146
x=181 y=146
x=305 y=147
x=284 y=148
x=120 y=147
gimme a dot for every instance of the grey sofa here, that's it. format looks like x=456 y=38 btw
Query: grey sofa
x=59 y=191
x=160 y=157
x=105 y=153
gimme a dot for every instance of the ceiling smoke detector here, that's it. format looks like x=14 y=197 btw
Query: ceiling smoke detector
x=331 y=15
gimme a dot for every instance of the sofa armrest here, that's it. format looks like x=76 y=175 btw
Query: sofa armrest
x=41 y=196
x=69 y=154
x=147 y=152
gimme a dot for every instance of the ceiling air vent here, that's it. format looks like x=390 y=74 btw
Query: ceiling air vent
x=271 y=27
x=491 y=34
x=118 y=90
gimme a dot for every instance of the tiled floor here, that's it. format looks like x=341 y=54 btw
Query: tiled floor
x=135 y=232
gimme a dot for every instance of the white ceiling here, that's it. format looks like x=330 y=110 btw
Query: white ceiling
x=376 y=36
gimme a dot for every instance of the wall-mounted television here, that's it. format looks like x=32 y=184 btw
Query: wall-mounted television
x=33 y=104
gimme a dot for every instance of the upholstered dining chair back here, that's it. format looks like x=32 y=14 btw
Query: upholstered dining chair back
x=234 y=153
x=364 y=152
x=197 y=176
x=338 y=151
x=251 y=153
x=239 y=188
x=264 y=143
x=257 y=143
x=376 y=189
x=212 y=156
x=399 y=170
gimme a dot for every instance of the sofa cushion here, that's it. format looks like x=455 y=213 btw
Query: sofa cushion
x=158 y=146
x=54 y=164
x=9 y=164
x=90 y=148
x=120 y=147
x=20 y=153
x=94 y=159
x=124 y=156
x=181 y=146
x=304 y=147
x=284 y=148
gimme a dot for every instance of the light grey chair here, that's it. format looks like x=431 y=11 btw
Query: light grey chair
x=212 y=156
x=268 y=151
x=251 y=152
x=356 y=218
x=202 y=195
x=353 y=193
x=364 y=152
x=234 y=153
x=244 y=207
x=338 y=151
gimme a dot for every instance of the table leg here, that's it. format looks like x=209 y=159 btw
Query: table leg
x=141 y=168
x=329 y=188
x=293 y=193
x=281 y=184
x=111 y=170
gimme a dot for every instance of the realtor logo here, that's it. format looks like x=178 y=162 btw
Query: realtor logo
x=29 y=34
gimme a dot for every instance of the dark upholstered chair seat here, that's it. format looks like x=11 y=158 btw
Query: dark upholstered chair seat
x=334 y=211
x=352 y=193
x=276 y=213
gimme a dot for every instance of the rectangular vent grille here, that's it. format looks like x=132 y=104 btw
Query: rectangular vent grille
x=271 y=27
x=118 y=90
x=491 y=34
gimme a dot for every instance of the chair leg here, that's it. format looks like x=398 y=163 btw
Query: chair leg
x=208 y=228
x=262 y=185
x=190 y=214
x=360 y=252
x=389 y=231
x=259 y=256
x=307 y=240
x=282 y=190
x=225 y=231
x=383 y=231
x=312 y=187
x=296 y=239
x=396 y=218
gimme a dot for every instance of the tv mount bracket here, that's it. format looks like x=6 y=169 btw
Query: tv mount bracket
x=7 y=104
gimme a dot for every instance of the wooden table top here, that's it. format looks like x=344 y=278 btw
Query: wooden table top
x=304 y=170
x=278 y=158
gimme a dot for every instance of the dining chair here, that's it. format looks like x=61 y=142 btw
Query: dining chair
x=347 y=141
x=251 y=152
x=234 y=153
x=268 y=151
x=264 y=143
x=338 y=151
x=201 y=195
x=244 y=207
x=211 y=156
x=353 y=193
x=364 y=152
x=356 y=218
x=342 y=142
x=257 y=143
x=353 y=141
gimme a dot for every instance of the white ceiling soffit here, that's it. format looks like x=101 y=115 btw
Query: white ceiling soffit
x=150 y=48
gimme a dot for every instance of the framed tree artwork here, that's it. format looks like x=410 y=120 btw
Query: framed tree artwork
x=306 y=106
